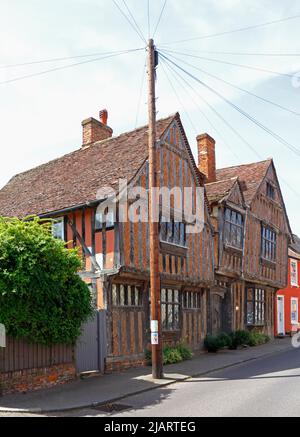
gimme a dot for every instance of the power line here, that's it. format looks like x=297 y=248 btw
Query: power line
x=130 y=22
x=160 y=17
x=182 y=85
x=178 y=98
x=140 y=96
x=42 y=61
x=249 y=67
x=16 y=79
x=241 y=111
x=241 y=29
x=134 y=20
x=228 y=125
x=242 y=53
x=234 y=86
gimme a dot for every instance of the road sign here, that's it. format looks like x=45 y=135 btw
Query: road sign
x=2 y=336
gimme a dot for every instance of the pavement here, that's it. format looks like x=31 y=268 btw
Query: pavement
x=105 y=389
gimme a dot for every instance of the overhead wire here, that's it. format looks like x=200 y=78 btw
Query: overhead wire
x=16 y=79
x=238 y=109
x=159 y=18
x=241 y=29
x=130 y=22
x=183 y=85
x=66 y=58
x=249 y=67
x=179 y=99
x=231 y=127
x=134 y=20
x=234 y=86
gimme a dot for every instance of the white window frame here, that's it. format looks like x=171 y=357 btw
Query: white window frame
x=59 y=220
x=294 y=277
x=295 y=322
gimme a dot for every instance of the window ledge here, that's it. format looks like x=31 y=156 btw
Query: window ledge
x=267 y=262
x=233 y=248
x=173 y=249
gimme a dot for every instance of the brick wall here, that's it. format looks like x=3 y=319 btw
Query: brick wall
x=34 y=379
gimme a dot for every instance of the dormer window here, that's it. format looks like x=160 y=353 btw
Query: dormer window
x=270 y=191
x=234 y=229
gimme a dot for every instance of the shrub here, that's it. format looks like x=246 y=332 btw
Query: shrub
x=239 y=338
x=225 y=340
x=257 y=338
x=172 y=354
x=184 y=351
x=213 y=343
x=42 y=298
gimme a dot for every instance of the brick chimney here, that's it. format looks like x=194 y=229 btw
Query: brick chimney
x=207 y=157
x=94 y=130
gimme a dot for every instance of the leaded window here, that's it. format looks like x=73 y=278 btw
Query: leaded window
x=170 y=309
x=268 y=244
x=172 y=232
x=234 y=228
x=191 y=300
x=256 y=306
x=124 y=295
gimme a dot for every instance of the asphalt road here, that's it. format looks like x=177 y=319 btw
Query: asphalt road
x=264 y=387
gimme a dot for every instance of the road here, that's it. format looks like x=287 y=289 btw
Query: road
x=265 y=387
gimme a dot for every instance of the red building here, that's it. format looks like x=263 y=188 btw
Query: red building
x=288 y=300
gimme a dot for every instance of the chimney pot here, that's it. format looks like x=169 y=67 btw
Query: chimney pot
x=207 y=157
x=103 y=115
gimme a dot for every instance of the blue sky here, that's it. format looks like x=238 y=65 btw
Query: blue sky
x=40 y=117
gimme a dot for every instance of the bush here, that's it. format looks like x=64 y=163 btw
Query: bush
x=42 y=298
x=184 y=351
x=213 y=343
x=257 y=338
x=239 y=338
x=225 y=340
x=172 y=354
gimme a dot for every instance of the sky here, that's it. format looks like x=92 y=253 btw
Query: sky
x=40 y=116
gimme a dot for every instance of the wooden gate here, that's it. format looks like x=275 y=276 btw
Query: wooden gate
x=92 y=345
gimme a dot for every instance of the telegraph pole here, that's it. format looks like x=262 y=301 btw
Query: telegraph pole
x=156 y=340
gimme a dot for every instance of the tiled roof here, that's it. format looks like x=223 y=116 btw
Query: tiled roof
x=74 y=179
x=216 y=191
x=250 y=176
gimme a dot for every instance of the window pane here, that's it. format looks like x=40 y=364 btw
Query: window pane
x=176 y=316
x=163 y=295
x=122 y=295
x=170 y=296
x=114 y=295
x=176 y=296
x=250 y=320
x=136 y=296
x=163 y=316
x=58 y=229
x=129 y=295
x=170 y=317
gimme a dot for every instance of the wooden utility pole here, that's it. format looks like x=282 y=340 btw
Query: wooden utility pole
x=156 y=340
